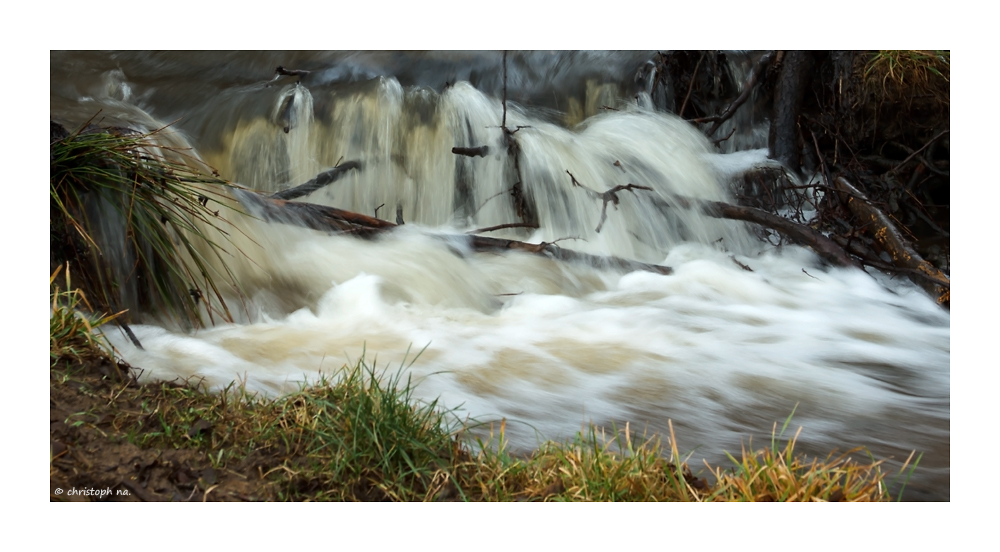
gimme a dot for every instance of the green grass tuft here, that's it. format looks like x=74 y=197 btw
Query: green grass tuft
x=137 y=218
x=72 y=332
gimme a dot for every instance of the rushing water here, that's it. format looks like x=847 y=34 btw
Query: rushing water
x=721 y=351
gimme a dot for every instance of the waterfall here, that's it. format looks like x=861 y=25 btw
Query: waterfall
x=720 y=350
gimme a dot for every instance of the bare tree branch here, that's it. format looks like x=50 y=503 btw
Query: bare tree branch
x=322 y=179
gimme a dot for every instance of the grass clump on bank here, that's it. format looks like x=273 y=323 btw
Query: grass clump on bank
x=140 y=223
x=902 y=75
x=72 y=338
x=361 y=435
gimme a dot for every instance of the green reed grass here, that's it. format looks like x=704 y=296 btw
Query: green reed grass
x=169 y=210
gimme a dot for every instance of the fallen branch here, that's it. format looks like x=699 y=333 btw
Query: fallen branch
x=867 y=259
x=322 y=179
x=893 y=243
x=826 y=248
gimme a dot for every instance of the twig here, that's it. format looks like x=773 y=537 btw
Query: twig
x=687 y=96
x=822 y=162
x=541 y=247
x=721 y=140
x=610 y=196
x=377 y=208
x=921 y=212
x=502 y=226
x=131 y=336
x=925 y=162
x=741 y=265
x=487 y=200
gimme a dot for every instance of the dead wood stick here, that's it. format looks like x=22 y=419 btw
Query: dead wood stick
x=728 y=136
x=483 y=243
x=502 y=226
x=290 y=72
x=892 y=242
x=755 y=74
x=322 y=179
x=131 y=336
x=694 y=75
x=481 y=151
x=925 y=162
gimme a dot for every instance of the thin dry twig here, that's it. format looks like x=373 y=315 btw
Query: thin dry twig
x=687 y=96
x=502 y=226
x=610 y=196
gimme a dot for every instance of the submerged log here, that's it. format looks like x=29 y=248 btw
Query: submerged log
x=331 y=219
x=892 y=242
x=308 y=215
x=483 y=243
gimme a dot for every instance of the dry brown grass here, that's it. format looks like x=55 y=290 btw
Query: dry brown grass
x=903 y=75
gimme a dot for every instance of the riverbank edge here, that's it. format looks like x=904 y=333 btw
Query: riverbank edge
x=360 y=436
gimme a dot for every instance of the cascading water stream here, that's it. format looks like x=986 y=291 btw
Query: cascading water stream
x=721 y=351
